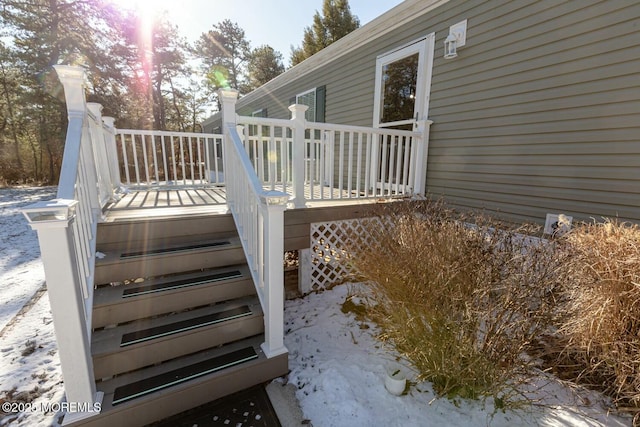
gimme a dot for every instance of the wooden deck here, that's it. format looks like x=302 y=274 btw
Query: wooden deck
x=163 y=203
x=154 y=202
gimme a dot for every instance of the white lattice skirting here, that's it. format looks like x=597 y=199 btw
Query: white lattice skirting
x=329 y=255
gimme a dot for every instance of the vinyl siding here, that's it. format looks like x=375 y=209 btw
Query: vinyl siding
x=540 y=111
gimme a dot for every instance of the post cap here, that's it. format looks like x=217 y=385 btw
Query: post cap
x=228 y=93
x=275 y=198
x=50 y=211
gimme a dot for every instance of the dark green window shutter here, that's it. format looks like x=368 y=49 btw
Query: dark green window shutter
x=320 y=103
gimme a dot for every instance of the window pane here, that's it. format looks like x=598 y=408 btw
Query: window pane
x=308 y=99
x=399 y=80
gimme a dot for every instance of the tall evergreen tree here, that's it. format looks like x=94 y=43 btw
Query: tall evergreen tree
x=265 y=64
x=225 y=52
x=44 y=33
x=335 y=22
x=156 y=58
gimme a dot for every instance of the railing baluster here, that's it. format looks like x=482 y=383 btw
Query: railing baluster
x=406 y=159
x=367 y=163
x=155 y=159
x=183 y=162
x=272 y=159
x=261 y=155
x=145 y=157
x=399 y=152
x=359 y=163
x=321 y=163
x=383 y=173
x=392 y=165
x=165 y=172
x=189 y=144
x=125 y=160
x=200 y=162
x=341 y=166
x=350 y=167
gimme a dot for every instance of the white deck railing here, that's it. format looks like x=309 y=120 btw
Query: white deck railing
x=337 y=162
x=152 y=159
x=66 y=229
x=259 y=218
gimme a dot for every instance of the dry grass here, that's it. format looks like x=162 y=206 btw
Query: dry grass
x=462 y=303
x=601 y=329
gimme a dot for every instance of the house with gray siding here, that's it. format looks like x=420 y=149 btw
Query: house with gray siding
x=163 y=251
x=539 y=112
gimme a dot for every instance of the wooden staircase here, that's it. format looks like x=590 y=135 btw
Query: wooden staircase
x=176 y=319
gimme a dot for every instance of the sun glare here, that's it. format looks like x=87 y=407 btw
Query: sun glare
x=151 y=6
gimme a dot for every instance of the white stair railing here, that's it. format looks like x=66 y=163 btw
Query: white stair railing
x=259 y=218
x=66 y=228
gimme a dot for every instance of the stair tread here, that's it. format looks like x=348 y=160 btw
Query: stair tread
x=154 y=332
x=109 y=295
x=177 y=398
x=143 y=331
x=182 y=374
x=141 y=215
x=169 y=250
x=109 y=386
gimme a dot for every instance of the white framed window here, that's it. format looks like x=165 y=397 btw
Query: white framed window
x=403 y=84
x=315 y=100
x=308 y=98
x=260 y=113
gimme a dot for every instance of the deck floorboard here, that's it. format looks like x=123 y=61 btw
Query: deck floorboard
x=162 y=203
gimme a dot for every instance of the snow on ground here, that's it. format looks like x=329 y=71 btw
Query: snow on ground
x=339 y=370
x=336 y=364
x=21 y=272
x=29 y=364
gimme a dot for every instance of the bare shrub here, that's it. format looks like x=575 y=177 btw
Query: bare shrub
x=602 y=305
x=461 y=302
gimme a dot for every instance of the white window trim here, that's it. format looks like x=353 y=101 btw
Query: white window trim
x=424 y=46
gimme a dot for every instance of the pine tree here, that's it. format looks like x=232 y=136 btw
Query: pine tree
x=265 y=64
x=225 y=52
x=45 y=33
x=335 y=22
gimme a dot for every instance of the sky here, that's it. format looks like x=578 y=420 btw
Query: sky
x=278 y=23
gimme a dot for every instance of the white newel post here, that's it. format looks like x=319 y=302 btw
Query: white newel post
x=422 y=153
x=52 y=220
x=112 y=152
x=274 y=205
x=299 y=148
x=228 y=99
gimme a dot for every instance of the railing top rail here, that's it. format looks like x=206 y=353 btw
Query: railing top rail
x=362 y=129
x=168 y=133
x=249 y=120
x=242 y=120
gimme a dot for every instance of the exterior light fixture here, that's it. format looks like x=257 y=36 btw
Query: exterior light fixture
x=450 y=47
x=457 y=38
